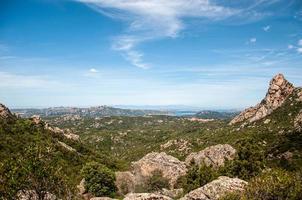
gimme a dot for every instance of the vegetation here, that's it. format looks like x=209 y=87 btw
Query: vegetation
x=273 y=184
x=156 y=182
x=99 y=180
x=197 y=176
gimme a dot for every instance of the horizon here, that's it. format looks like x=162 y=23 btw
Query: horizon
x=202 y=53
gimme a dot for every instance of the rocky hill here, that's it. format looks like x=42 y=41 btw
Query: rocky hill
x=279 y=90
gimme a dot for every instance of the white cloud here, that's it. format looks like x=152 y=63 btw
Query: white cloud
x=93 y=70
x=299 y=50
x=266 y=28
x=154 y=19
x=300 y=42
x=290 y=46
x=252 y=41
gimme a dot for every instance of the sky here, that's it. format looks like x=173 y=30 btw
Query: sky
x=218 y=54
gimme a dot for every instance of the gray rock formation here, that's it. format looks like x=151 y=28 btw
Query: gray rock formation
x=145 y=196
x=32 y=195
x=279 y=90
x=216 y=189
x=170 y=167
x=4 y=112
x=214 y=156
x=298 y=122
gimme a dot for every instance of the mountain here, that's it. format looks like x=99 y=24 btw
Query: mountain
x=279 y=90
x=99 y=111
x=208 y=114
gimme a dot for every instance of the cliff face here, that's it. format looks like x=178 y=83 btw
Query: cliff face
x=279 y=90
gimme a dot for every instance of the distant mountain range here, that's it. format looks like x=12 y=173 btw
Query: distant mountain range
x=106 y=111
x=100 y=111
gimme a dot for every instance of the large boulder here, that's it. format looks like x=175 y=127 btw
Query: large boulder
x=143 y=169
x=171 y=167
x=216 y=189
x=298 y=122
x=214 y=156
x=279 y=90
x=145 y=196
x=5 y=112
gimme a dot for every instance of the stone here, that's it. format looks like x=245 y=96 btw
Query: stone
x=146 y=196
x=32 y=195
x=279 y=90
x=214 y=156
x=81 y=187
x=36 y=119
x=267 y=121
x=141 y=170
x=216 y=189
x=5 y=112
x=173 y=193
x=171 y=167
x=67 y=147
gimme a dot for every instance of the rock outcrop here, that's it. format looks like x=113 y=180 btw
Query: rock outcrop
x=214 y=156
x=102 y=198
x=298 y=122
x=216 y=189
x=36 y=119
x=141 y=170
x=279 y=90
x=5 y=112
x=145 y=196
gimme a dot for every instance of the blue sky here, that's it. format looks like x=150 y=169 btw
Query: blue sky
x=206 y=53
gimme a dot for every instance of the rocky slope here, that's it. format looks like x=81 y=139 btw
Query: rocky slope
x=279 y=90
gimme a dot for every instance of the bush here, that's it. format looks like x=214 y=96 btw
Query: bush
x=197 y=176
x=248 y=163
x=156 y=182
x=276 y=184
x=99 y=180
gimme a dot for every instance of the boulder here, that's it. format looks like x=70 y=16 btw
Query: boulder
x=143 y=169
x=173 y=193
x=214 y=156
x=216 y=189
x=5 y=112
x=279 y=90
x=170 y=167
x=32 y=195
x=145 y=196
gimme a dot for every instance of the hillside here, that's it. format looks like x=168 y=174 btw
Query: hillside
x=148 y=153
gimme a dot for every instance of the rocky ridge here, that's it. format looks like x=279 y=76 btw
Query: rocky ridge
x=279 y=90
x=214 y=156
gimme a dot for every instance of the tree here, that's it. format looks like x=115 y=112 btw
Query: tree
x=99 y=180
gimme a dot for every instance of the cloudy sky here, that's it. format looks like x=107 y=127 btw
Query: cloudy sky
x=206 y=53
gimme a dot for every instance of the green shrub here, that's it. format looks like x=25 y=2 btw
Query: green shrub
x=99 y=180
x=249 y=161
x=197 y=176
x=275 y=184
x=156 y=182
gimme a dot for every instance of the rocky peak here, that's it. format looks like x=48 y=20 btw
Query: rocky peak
x=279 y=90
x=4 y=112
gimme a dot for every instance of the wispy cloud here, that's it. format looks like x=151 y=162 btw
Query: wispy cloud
x=266 y=28
x=154 y=19
x=252 y=41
